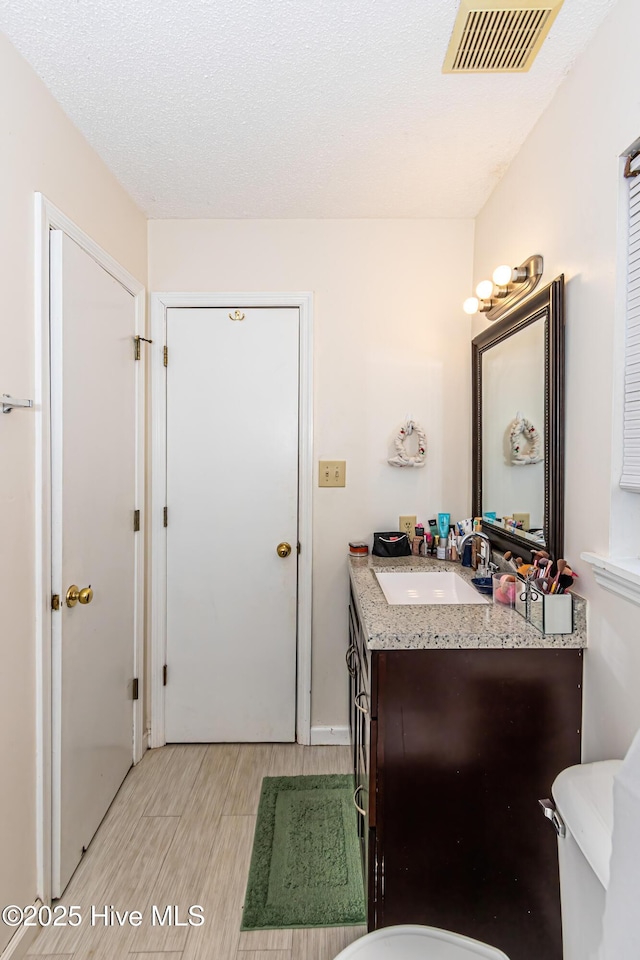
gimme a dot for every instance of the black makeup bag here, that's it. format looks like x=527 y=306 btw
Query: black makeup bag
x=391 y=545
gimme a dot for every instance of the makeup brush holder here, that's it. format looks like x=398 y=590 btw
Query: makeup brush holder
x=550 y=612
x=523 y=591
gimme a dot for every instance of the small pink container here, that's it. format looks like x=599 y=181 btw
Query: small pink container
x=504 y=589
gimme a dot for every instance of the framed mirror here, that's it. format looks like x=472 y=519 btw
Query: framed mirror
x=518 y=426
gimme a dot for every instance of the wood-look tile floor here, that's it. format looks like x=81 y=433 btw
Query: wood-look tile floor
x=179 y=833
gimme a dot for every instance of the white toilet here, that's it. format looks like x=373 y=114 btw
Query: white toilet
x=584 y=801
x=413 y=942
x=599 y=875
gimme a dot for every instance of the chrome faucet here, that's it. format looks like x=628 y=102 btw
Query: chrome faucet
x=485 y=564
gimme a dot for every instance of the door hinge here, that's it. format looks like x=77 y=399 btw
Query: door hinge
x=166 y=356
x=55 y=601
x=165 y=517
x=136 y=346
x=136 y=521
x=164 y=675
x=134 y=689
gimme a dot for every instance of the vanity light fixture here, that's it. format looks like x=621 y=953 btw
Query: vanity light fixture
x=509 y=285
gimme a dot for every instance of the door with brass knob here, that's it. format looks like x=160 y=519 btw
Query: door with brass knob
x=96 y=394
x=76 y=595
x=232 y=646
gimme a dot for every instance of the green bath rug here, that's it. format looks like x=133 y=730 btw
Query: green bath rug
x=305 y=866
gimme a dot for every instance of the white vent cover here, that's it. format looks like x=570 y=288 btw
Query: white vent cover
x=499 y=36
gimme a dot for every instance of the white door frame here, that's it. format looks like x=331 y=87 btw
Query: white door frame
x=48 y=217
x=160 y=302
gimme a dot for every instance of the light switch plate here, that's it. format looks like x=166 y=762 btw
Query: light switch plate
x=332 y=473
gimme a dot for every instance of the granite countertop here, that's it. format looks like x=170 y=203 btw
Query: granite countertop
x=455 y=626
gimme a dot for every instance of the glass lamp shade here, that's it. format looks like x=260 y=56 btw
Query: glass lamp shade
x=471 y=305
x=502 y=275
x=484 y=290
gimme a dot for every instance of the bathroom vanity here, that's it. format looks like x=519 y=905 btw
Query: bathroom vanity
x=461 y=718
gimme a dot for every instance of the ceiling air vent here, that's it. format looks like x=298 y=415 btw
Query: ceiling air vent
x=498 y=36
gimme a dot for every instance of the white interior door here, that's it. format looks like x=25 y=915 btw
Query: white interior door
x=232 y=496
x=93 y=439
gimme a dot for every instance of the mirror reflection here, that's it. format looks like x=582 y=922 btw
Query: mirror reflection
x=513 y=442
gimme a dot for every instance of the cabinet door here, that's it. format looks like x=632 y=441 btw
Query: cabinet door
x=362 y=732
x=468 y=742
x=353 y=680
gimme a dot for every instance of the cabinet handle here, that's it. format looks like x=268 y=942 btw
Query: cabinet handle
x=549 y=810
x=350 y=666
x=360 y=810
x=355 y=700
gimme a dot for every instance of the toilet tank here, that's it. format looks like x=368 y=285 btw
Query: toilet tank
x=583 y=797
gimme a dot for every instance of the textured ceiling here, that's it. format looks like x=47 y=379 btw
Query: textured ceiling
x=289 y=108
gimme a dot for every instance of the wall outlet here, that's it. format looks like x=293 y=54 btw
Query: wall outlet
x=332 y=473
x=407 y=525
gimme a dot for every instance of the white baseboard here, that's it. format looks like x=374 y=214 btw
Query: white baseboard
x=327 y=735
x=21 y=940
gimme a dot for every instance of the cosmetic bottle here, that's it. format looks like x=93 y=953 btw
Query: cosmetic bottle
x=443 y=525
x=441 y=548
x=453 y=545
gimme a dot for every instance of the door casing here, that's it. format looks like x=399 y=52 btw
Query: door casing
x=160 y=302
x=47 y=216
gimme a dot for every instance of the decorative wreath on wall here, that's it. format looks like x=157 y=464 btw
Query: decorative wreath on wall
x=526 y=445
x=403 y=458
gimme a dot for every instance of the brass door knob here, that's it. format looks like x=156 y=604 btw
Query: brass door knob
x=75 y=594
x=283 y=549
x=86 y=595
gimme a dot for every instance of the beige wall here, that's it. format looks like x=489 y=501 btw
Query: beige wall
x=41 y=151
x=559 y=198
x=390 y=339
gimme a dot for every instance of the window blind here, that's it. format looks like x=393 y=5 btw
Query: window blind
x=630 y=479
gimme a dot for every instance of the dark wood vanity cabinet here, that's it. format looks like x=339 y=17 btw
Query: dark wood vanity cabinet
x=452 y=749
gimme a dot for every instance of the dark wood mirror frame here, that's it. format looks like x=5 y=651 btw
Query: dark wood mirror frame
x=546 y=304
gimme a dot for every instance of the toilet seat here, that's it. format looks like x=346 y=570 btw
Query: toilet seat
x=414 y=942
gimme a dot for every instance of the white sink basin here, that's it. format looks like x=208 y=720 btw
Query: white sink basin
x=421 y=588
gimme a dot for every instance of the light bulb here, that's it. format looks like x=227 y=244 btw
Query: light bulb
x=484 y=289
x=471 y=305
x=502 y=275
